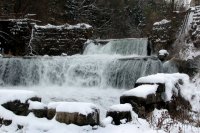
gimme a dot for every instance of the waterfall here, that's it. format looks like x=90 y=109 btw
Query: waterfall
x=135 y=46
x=117 y=64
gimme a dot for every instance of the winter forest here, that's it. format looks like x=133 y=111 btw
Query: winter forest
x=99 y=66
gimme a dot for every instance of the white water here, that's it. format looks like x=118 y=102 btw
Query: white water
x=91 y=77
x=136 y=46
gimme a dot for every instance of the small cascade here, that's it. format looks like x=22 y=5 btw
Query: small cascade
x=135 y=46
x=117 y=64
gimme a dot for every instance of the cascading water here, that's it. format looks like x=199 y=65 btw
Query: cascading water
x=118 y=64
x=122 y=47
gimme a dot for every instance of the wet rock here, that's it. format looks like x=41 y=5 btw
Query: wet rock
x=120 y=113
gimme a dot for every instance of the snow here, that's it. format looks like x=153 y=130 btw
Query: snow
x=65 y=26
x=142 y=91
x=76 y=107
x=107 y=121
x=168 y=79
x=36 y=105
x=164 y=21
x=5 y=114
x=163 y=52
x=53 y=105
x=12 y=95
x=121 y=108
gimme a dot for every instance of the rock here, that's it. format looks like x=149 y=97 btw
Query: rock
x=39 y=109
x=18 y=107
x=120 y=113
x=143 y=106
x=5 y=122
x=51 y=109
x=77 y=113
x=162 y=55
x=167 y=95
x=51 y=113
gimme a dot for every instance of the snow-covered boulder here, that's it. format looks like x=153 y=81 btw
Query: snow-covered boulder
x=39 y=109
x=170 y=82
x=157 y=91
x=77 y=113
x=143 y=98
x=17 y=100
x=162 y=54
x=120 y=113
x=51 y=112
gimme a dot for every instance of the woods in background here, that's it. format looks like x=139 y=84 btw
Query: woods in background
x=109 y=18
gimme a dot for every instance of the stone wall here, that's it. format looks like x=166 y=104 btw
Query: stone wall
x=14 y=35
x=55 y=40
x=21 y=37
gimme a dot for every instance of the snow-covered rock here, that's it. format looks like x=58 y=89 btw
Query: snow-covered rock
x=77 y=113
x=164 y=21
x=141 y=91
x=78 y=107
x=119 y=113
x=163 y=52
x=12 y=95
x=39 y=109
x=170 y=80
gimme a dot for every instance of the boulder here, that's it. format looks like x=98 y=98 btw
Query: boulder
x=51 y=109
x=120 y=113
x=18 y=107
x=38 y=109
x=157 y=91
x=5 y=122
x=143 y=98
x=51 y=113
x=77 y=113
